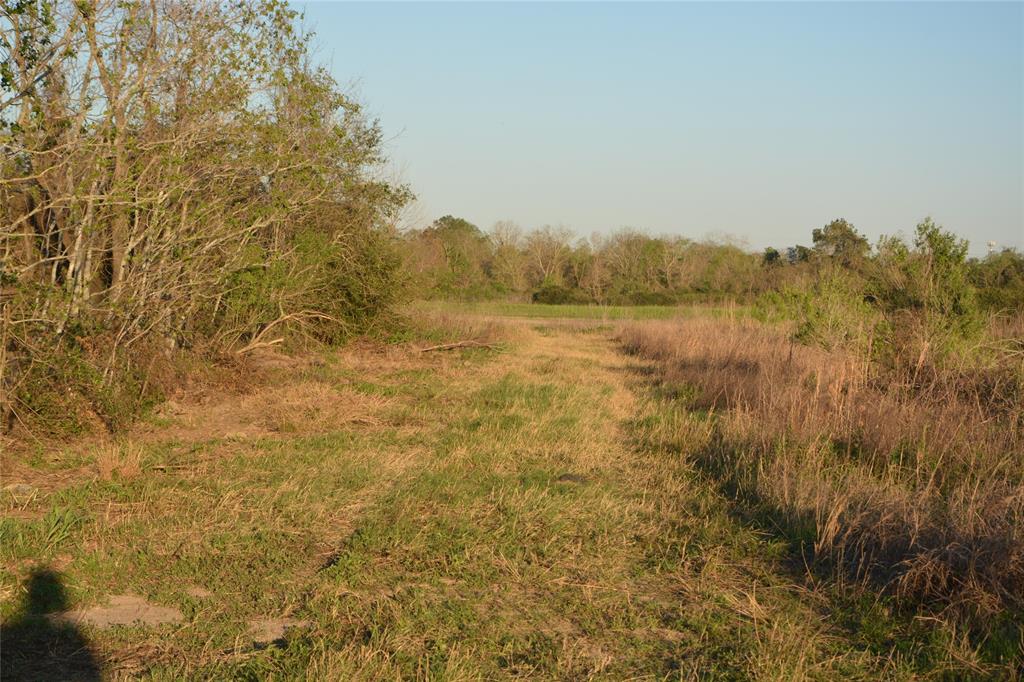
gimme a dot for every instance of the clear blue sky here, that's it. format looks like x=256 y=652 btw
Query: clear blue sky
x=760 y=120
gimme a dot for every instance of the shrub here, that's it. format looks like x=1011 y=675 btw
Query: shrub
x=999 y=279
x=928 y=289
x=832 y=313
x=558 y=294
x=651 y=298
x=321 y=289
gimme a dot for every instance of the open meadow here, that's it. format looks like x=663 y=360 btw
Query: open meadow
x=568 y=500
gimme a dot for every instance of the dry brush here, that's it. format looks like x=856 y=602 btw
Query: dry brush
x=920 y=491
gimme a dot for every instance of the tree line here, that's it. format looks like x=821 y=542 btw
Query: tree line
x=454 y=258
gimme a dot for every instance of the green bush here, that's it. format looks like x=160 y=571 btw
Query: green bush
x=558 y=294
x=832 y=313
x=651 y=298
x=66 y=390
x=332 y=288
x=926 y=294
x=999 y=279
x=835 y=314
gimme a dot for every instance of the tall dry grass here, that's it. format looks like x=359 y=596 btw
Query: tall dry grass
x=914 y=483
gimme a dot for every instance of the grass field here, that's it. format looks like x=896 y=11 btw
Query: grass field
x=381 y=513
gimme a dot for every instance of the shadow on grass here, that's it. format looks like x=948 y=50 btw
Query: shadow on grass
x=35 y=646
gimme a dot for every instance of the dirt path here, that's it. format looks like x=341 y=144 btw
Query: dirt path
x=390 y=514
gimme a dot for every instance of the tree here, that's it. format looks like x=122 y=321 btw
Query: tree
x=595 y=280
x=946 y=291
x=672 y=255
x=999 y=279
x=841 y=241
x=466 y=255
x=926 y=295
x=509 y=263
x=798 y=254
x=547 y=250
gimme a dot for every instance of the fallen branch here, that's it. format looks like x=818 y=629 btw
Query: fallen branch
x=262 y=344
x=459 y=344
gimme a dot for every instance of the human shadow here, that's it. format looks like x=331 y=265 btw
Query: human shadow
x=36 y=645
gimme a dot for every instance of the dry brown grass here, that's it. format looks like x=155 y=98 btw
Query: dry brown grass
x=124 y=460
x=312 y=406
x=453 y=327
x=921 y=490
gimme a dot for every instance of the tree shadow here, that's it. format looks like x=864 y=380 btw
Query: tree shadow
x=36 y=645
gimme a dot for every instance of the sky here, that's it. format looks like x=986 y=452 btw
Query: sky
x=757 y=120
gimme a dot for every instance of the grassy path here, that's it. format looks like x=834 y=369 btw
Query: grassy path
x=392 y=515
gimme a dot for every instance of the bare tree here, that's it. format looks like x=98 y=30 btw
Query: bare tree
x=547 y=250
x=509 y=262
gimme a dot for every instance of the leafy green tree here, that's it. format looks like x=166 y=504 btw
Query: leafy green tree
x=466 y=256
x=798 y=254
x=926 y=294
x=944 y=276
x=839 y=240
x=999 y=279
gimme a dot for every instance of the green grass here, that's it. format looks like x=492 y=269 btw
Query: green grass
x=522 y=514
x=585 y=312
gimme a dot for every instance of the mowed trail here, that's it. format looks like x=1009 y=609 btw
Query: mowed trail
x=386 y=514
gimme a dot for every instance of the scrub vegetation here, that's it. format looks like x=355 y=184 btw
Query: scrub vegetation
x=174 y=178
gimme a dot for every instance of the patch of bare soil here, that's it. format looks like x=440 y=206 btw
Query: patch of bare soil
x=124 y=609
x=270 y=630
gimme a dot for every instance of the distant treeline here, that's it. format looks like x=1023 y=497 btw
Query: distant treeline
x=453 y=258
